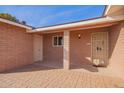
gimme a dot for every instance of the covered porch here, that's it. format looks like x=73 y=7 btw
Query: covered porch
x=75 y=51
x=70 y=46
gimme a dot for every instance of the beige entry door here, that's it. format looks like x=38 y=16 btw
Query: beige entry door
x=100 y=48
x=38 y=48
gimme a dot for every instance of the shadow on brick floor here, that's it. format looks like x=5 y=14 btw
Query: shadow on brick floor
x=29 y=68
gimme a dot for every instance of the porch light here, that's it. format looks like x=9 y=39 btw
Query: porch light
x=79 y=36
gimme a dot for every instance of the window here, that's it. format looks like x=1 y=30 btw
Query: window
x=57 y=40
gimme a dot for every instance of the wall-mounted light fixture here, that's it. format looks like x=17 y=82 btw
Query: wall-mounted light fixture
x=79 y=36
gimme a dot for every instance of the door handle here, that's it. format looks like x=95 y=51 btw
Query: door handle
x=98 y=48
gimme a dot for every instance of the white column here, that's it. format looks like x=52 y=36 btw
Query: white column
x=66 y=50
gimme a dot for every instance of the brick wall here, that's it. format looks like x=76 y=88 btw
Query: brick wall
x=16 y=48
x=116 y=45
x=51 y=53
x=81 y=48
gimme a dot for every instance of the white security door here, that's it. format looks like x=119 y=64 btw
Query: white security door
x=100 y=48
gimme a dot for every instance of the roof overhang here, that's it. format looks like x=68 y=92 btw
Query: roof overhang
x=93 y=23
x=15 y=24
x=113 y=10
x=106 y=10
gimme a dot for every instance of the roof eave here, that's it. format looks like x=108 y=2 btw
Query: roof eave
x=83 y=23
x=106 y=10
x=16 y=24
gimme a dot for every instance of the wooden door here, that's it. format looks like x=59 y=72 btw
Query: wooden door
x=100 y=48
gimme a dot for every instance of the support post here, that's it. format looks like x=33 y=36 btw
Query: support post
x=66 y=50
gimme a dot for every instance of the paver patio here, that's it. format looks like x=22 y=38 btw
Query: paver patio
x=38 y=76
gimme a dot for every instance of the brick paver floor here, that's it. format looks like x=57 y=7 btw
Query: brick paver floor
x=42 y=76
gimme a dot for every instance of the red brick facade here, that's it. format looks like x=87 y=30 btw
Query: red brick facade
x=51 y=53
x=16 y=47
x=116 y=49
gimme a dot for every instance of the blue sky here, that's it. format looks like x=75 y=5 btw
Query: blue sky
x=47 y=15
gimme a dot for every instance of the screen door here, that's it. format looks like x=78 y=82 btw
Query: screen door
x=100 y=48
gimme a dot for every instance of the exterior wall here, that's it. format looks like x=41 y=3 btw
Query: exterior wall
x=38 y=47
x=16 y=48
x=116 y=10
x=116 y=42
x=50 y=52
x=81 y=48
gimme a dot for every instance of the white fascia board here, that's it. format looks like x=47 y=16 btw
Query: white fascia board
x=106 y=11
x=13 y=23
x=68 y=25
x=83 y=23
x=116 y=18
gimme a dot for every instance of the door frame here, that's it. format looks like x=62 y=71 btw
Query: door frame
x=106 y=49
